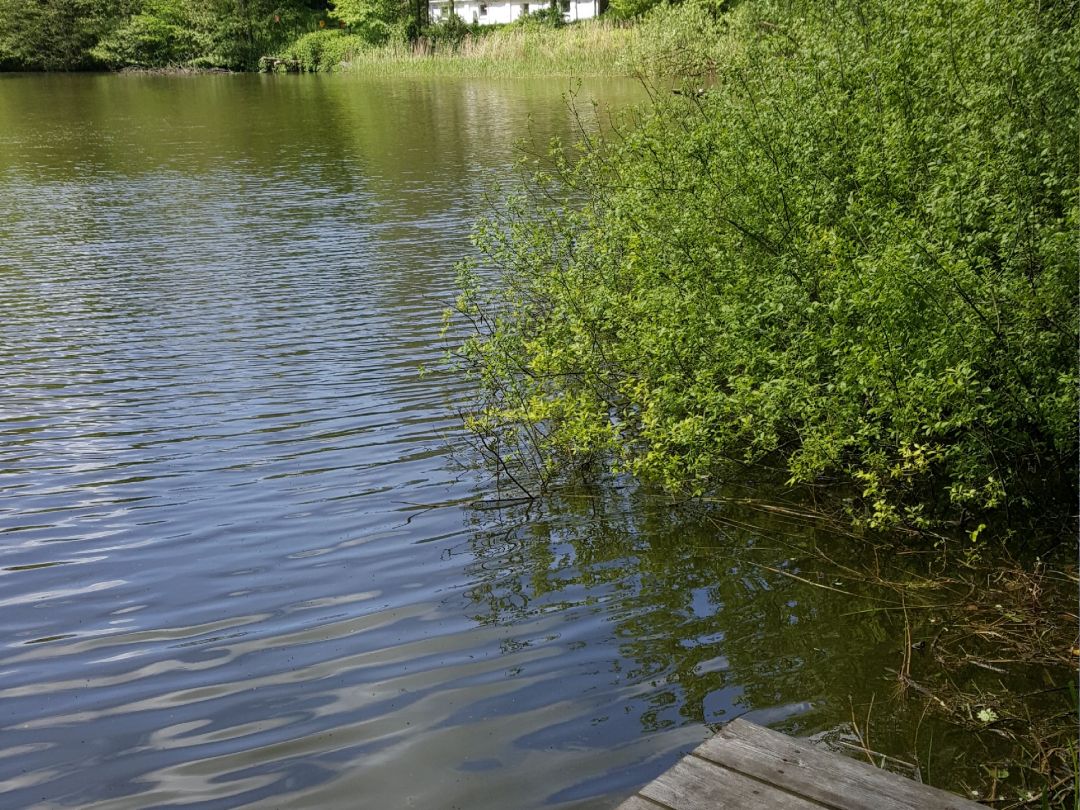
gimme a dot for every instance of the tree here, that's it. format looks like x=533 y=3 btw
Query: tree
x=372 y=19
x=220 y=33
x=55 y=34
x=159 y=33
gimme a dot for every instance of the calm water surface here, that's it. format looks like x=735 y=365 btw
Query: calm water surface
x=237 y=565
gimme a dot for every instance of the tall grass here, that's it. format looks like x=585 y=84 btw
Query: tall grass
x=589 y=48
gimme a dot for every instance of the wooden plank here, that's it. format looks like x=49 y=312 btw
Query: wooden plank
x=638 y=803
x=695 y=784
x=834 y=780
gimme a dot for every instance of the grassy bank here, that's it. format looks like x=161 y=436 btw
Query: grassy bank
x=594 y=48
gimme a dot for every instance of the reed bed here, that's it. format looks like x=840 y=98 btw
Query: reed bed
x=593 y=48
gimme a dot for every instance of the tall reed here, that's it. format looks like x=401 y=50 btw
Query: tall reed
x=590 y=48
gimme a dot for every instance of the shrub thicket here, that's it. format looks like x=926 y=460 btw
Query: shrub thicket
x=450 y=32
x=848 y=252
x=79 y=34
x=550 y=16
x=324 y=51
x=54 y=34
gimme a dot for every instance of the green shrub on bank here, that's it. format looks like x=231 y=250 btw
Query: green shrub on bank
x=374 y=21
x=635 y=9
x=324 y=51
x=549 y=16
x=54 y=34
x=80 y=34
x=848 y=253
x=688 y=41
x=159 y=34
x=451 y=31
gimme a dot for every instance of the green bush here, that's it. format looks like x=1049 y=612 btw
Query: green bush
x=54 y=34
x=631 y=9
x=372 y=20
x=324 y=51
x=159 y=35
x=76 y=34
x=451 y=31
x=850 y=255
x=237 y=34
x=687 y=41
x=549 y=16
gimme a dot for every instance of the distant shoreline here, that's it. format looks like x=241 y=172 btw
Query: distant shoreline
x=586 y=49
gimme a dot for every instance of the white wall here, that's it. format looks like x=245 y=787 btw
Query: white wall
x=484 y=13
x=583 y=9
x=507 y=12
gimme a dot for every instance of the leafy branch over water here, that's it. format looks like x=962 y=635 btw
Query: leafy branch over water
x=846 y=254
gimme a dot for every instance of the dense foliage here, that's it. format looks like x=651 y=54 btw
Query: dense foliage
x=377 y=21
x=319 y=51
x=307 y=35
x=77 y=34
x=388 y=37
x=630 y=9
x=54 y=34
x=848 y=252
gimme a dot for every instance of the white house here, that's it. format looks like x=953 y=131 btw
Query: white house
x=506 y=11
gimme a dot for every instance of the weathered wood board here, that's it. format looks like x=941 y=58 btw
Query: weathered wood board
x=746 y=767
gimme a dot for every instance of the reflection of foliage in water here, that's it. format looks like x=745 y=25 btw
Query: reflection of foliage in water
x=722 y=611
x=691 y=607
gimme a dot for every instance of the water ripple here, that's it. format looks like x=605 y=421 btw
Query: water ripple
x=236 y=563
x=216 y=586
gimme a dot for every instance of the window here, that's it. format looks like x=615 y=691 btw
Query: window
x=483 y=9
x=564 y=5
x=524 y=9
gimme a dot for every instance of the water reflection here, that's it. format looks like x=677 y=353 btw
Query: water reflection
x=689 y=603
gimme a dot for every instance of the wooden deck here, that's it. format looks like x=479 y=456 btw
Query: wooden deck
x=745 y=767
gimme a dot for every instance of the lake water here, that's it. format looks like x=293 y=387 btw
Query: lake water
x=238 y=565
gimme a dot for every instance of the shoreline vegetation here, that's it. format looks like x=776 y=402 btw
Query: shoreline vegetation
x=364 y=37
x=587 y=48
x=837 y=249
x=838 y=244
x=594 y=48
